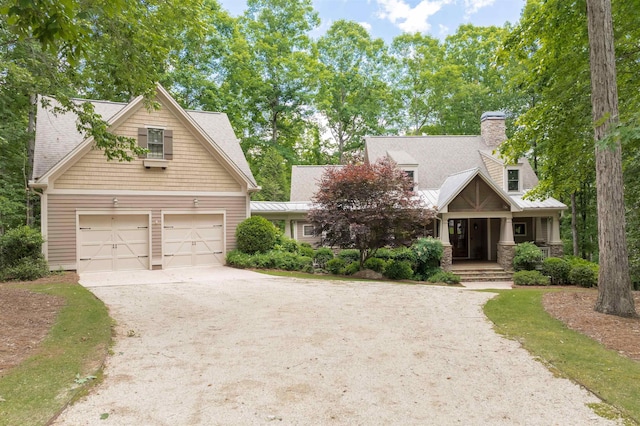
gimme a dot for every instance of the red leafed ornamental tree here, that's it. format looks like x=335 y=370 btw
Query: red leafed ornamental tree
x=368 y=206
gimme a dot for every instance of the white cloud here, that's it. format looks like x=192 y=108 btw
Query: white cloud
x=411 y=19
x=472 y=6
x=367 y=26
x=443 y=30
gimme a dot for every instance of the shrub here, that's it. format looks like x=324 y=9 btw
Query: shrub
x=557 y=269
x=405 y=254
x=256 y=234
x=375 y=264
x=241 y=260
x=527 y=257
x=584 y=275
x=336 y=266
x=428 y=253
x=21 y=255
x=530 y=278
x=305 y=249
x=384 y=254
x=322 y=256
x=352 y=268
x=27 y=269
x=284 y=243
x=444 y=277
x=349 y=255
x=20 y=243
x=398 y=270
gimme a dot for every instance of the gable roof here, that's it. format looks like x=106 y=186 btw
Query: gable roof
x=58 y=140
x=304 y=181
x=438 y=157
x=455 y=183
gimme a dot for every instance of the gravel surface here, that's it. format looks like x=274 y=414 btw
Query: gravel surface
x=219 y=349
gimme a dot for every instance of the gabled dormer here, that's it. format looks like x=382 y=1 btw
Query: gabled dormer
x=406 y=163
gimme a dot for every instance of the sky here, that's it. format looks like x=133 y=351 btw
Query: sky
x=389 y=18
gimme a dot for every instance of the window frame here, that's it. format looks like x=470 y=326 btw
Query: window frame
x=517 y=226
x=304 y=230
x=150 y=141
x=518 y=181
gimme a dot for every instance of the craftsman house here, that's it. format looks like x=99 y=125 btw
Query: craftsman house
x=479 y=199
x=178 y=205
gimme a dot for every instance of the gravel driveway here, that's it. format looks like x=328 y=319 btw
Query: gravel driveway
x=217 y=346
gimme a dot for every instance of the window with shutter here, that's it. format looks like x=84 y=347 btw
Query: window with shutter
x=159 y=143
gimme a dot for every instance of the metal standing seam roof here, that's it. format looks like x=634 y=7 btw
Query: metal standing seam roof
x=279 y=207
x=57 y=135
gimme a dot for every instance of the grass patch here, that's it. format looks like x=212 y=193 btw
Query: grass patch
x=518 y=314
x=75 y=348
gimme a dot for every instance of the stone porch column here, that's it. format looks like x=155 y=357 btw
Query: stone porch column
x=506 y=245
x=447 y=255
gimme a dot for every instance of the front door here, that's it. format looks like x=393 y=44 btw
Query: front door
x=459 y=237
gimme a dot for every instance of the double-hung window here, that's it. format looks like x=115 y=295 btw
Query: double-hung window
x=513 y=180
x=155 y=143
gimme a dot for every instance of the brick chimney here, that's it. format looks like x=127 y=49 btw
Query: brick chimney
x=493 y=128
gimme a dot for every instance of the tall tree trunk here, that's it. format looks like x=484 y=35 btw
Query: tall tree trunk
x=574 y=225
x=614 y=282
x=28 y=167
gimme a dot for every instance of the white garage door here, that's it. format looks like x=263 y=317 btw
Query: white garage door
x=193 y=240
x=113 y=243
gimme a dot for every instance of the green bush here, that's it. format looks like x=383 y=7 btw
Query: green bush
x=336 y=266
x=20 y=243
x=530 y=278
x=256 y=234
x=284 y=243
x=322 y=256
x=21 y=255
x=375 y=264
x=584 y=275
x=241 y=260
x=405 y=254
x=305 y=249
x=27 y=269
x=557 y=269
x=384 y=254
x=528 y=257
x=349 y=255
x=428 y=253
x=352 y=268
x=398 y=270
x=444 y=277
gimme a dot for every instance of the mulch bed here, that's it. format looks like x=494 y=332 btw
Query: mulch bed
x=26 y=318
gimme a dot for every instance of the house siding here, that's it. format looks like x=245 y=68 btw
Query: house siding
x=495 y=169
x=62 y=208
x=192 y=163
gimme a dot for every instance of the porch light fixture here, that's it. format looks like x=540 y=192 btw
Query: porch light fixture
x=195 y=202
x=115 y=202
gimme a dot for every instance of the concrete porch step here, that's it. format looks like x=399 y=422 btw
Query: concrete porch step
x=481 y=273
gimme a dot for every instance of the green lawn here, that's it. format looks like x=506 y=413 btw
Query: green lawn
x=518 y=314
x=36 y=390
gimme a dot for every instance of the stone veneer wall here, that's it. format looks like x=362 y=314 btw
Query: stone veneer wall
x=447 y=257
x=506 y=253
x=556 y=250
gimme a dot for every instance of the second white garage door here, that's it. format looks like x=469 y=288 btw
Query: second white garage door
x=193 y=240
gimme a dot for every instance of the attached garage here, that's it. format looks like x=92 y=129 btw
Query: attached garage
x=193 y=240
x=113 y=242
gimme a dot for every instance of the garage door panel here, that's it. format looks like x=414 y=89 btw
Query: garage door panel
x=113 y=242
x=193 y=240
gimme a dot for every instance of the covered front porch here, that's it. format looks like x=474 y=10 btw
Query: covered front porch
x=487 y=239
